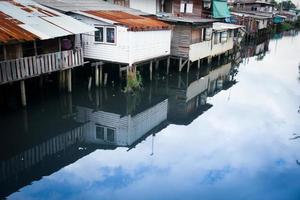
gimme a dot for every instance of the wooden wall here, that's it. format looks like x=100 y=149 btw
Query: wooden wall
x=197 y=8
x=181 y=40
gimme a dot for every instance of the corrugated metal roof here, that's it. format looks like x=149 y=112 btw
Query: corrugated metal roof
x=218 y=26
x=25 y=20
x=76 y=5
x=133 y=22
x=187 y=19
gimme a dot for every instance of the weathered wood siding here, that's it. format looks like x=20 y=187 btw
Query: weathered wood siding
x=181 y=40
x=28 y=67
x=197 y=8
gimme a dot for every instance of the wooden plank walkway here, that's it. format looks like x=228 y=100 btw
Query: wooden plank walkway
x=28 y=67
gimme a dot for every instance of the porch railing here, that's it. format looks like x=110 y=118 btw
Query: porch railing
x=28 y=67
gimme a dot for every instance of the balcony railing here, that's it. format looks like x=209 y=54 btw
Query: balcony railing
x=28 y=67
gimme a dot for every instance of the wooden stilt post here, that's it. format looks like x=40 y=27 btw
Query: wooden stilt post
x=151 y=70
x=105 y=79
x=90 y=83
x=101 y=75
x=97 y=76
x=120 y=71
x=41 y=81
x=156 y=65
x=188 y=66
x=180 y=63
x=63 y=79
x=23 y=93
x=69 y=78
x=168 y=65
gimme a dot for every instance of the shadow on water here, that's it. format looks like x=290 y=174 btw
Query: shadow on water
x=61 y=128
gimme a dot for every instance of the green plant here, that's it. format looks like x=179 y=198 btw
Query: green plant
x=134 y=81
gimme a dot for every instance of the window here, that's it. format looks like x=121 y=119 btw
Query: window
x=206 y=4
x=207 y=34
x=110 y=135
x=105 y=133
x=223 y=38
x=186 y=6
x=105 y=35
x=99 y=34
x=110 y=35
x=100 y=132
x=216 y=38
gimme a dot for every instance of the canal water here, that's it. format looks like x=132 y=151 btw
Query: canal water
x=226 y=131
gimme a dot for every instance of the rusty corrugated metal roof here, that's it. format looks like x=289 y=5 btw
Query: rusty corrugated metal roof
x=133 y=22
x=10 y=30
x=25 y=20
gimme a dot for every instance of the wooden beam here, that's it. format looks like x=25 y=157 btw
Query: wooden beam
x=168 y=65
x=151 y=70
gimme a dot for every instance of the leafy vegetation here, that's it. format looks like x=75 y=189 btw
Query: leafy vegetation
x=134 y=81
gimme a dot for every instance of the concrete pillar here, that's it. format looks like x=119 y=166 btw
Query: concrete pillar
x=23 y=93
x=168 y=65
x=101 y=75
x=199 y=64
x=188 y=66
x=209 y=59
x=69 y=79
x=156 y=65
x=151 y=70
x=180 y=63
x=97 y=76
x=105 y=79
x=90 y=83
x=120 y=72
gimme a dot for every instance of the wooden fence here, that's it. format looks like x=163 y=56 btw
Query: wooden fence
x=28 y=67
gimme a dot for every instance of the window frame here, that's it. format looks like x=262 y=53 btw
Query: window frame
x=115 y=35
x=105 y=133
x=105 y=34
x=185 y=3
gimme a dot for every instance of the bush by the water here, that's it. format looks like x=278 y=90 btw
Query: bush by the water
x=134 y=81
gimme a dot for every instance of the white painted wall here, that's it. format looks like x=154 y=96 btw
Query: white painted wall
x=128 y=129
x=200 y=50
x=148 y=6
x=130 y=47
x=146 y=45
x=118 y=52
x=196 y=88
x=221 y=47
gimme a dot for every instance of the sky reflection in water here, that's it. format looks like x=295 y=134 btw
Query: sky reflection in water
x=241 y=148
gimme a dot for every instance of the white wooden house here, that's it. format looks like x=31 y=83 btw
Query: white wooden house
x=124 y=36
x=115 y=129
x=224 y=37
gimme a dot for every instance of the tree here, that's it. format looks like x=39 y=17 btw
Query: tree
x=285 y=5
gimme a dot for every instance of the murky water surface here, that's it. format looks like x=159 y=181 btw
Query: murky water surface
x=231 y=131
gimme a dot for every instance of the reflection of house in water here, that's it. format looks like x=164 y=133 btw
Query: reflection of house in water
x=188 y=100
x=102 y=119
x=115 y=129
x=47 y=141
x=59 y=137
x=257 y=48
